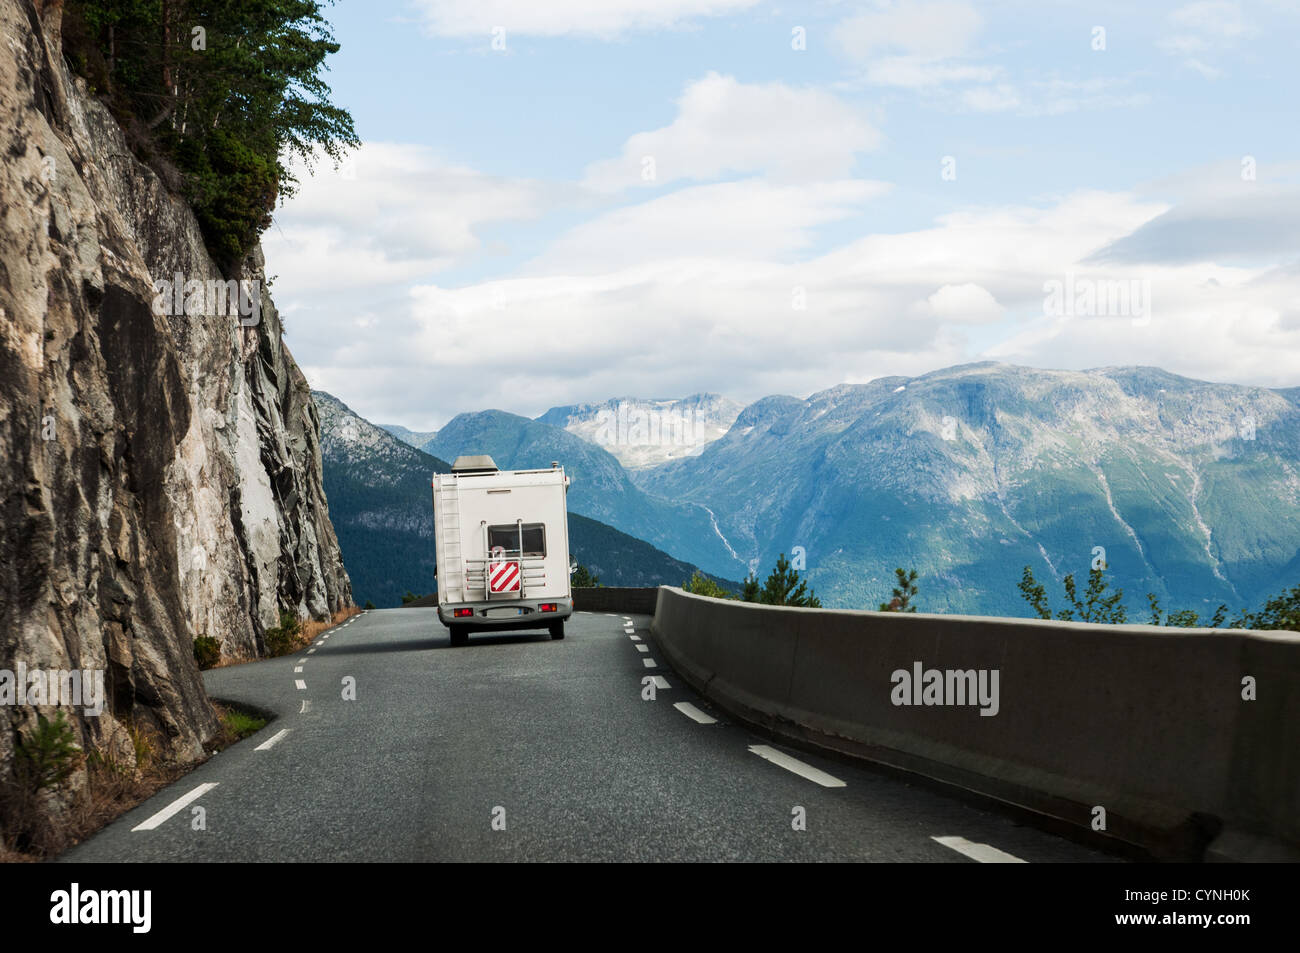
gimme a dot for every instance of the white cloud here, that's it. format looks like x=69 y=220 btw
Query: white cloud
x=390 y=213
x=724 y=126
x=1233 y=220
x=1206 y=70
x=931 y=47
x=1204 y=28
x=965 y=303
x=916 y=44
x=742 y=220
x=926 y=30
x=971 y=286
x=604 y=18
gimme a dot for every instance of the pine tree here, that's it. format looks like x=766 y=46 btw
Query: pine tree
x=903 y=593
x=784 y=588
x=230 y=91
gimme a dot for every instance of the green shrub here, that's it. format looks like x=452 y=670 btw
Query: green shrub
x=47 y=756
x=1095 y=606
x=702 y=585
x=280 y=639
x=1280 y=612
x=207 y=651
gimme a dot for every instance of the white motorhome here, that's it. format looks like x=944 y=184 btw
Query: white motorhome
x=502 y=542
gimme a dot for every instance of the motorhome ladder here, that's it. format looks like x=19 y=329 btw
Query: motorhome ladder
x=448 y=530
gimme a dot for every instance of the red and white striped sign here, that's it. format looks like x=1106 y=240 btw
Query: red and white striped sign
x=503 y=576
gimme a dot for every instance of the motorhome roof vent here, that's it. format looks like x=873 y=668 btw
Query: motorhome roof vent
x=476 y=463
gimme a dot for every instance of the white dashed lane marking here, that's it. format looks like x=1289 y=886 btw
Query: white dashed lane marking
x=693 y=713
x=636 y=638
x=649 y=663
x=642 y=647
x=981 y=852
x=174 y=807
x=780 y=758
x=297 y=669
x=269 y=742
x=299 y=684
x=661 y=682
x=306 y=707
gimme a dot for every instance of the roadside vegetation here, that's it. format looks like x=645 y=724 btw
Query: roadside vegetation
x=49 y=757
x=1101 y=603
x=288 y=637
x=1098 y=602
x=783 y=587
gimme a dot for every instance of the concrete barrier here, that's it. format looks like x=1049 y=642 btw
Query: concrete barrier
x=615 y=599
x=1147 y=723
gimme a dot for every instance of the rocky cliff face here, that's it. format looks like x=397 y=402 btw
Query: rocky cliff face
x=161 y=474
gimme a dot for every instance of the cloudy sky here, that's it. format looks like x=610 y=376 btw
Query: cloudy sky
x=581 y=199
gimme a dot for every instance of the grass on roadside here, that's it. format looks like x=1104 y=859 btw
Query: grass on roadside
x=106 y=789
x=291 y=635
x=28 y=832
x=235 y=726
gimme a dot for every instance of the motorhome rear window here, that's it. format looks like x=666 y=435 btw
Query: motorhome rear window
x=507 y=537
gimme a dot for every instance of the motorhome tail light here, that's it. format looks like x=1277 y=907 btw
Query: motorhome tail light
x=461 y=613
x=547 y=607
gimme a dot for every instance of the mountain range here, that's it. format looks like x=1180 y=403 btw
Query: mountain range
x=968 y=474
x=644 y=433
x=1183 y=488
x=380 y=502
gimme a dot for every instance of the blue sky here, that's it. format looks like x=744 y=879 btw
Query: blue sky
x=496 y=242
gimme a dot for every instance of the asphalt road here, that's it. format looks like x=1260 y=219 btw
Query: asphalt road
x=517 y=747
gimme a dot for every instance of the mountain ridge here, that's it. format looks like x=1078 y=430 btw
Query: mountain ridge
x=1084 y=453
x=381 y=502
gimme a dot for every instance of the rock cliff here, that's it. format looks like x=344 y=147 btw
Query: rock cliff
x=161 y=470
